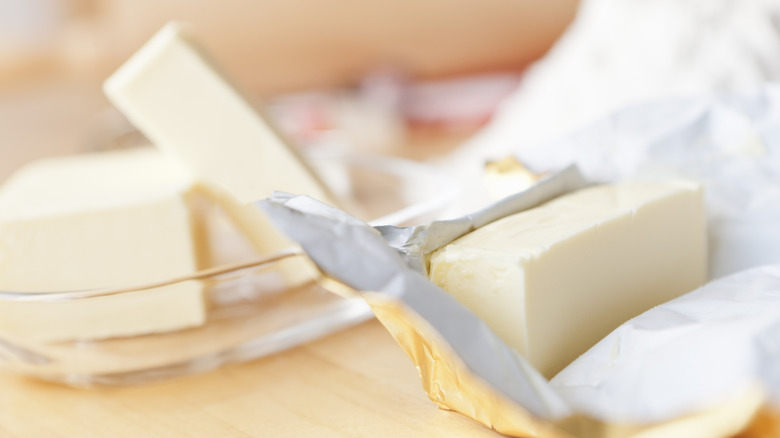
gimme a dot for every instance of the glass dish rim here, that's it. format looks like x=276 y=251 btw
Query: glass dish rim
x=397 y=166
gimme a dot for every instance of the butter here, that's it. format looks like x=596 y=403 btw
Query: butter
x=553 y=280
x=173 y=93
x=101 y=220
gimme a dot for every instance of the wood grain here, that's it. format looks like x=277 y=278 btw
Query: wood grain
x=352 y=384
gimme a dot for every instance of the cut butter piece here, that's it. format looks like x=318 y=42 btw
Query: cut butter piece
x=553 y=280
x=173 y=93
x=100 y=220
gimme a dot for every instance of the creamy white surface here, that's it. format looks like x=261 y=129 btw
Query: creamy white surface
x=101 y=220
x=173 y=93
x=553 y=280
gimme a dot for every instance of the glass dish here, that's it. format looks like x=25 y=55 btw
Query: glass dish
x=249 y=316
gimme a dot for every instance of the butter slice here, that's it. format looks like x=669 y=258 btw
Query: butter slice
x=173 y=93
x=95 y=221
x=553 y=280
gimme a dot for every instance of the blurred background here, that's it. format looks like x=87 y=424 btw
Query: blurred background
x=426 y=79
x=372 y=71
x=276 y=46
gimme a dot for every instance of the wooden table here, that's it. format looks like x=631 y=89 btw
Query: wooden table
x=355 y=383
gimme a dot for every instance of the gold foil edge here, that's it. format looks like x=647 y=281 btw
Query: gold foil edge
x=446 y=379
x=508 y=176
x=451 y=386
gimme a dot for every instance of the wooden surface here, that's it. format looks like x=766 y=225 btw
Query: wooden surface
x=355 y=383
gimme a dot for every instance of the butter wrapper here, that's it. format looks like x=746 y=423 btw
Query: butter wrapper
x=700 y=366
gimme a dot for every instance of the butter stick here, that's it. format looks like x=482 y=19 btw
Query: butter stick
x=175 y=95
x=553 y=280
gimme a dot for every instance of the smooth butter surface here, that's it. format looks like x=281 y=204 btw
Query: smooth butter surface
x=554 y=280
x=172 y=92
x=96 y=221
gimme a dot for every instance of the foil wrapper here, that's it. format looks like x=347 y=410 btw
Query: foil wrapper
x=704 y=365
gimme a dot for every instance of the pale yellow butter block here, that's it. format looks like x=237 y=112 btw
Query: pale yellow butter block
x=553 y=280
x=101 y=220
x=174 y=94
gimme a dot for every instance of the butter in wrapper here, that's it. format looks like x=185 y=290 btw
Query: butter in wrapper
x=463 y=365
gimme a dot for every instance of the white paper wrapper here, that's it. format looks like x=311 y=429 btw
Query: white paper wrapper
x=685 y=356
